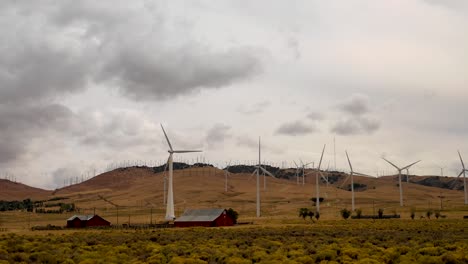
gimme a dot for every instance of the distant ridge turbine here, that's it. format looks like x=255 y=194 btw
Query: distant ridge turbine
x=351 y=174
x=317 y=187
x=464 y=177
x=399 y=176
x=170 y=213
x=257 y=171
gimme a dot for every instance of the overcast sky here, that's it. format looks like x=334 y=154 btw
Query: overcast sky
x=84 y=84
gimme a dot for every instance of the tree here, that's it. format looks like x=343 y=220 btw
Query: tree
x=380 y=212
x=233 y=214
x=358 y=213
x=304 y=212
x=317 y=215
x=437 y=214
x=311 y=214
x=345 y=213
x=429 y=213
x=413 y=213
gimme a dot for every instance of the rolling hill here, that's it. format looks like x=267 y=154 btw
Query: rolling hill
x=141 y=189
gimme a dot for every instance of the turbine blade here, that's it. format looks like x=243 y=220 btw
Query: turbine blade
x=347 y=178
x=267 y=172
x=168 y=142
x=321 y=157
x=295 y=164
x=407 y=167
x=391 y=164
x=349 y=162
x=362 y=174
x=253 y=173
x=461 y=173
x=323 y=177
x=186 y=151
x=463 y=164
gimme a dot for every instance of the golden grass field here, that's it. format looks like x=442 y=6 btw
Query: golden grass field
x=328 y=241
x=139 y=194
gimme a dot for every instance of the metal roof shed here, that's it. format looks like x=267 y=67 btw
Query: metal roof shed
x=204 y=217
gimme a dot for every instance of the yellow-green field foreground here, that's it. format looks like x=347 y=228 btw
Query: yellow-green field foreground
x=329 y=241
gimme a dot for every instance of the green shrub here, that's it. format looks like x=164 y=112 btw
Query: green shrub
x=345 y=213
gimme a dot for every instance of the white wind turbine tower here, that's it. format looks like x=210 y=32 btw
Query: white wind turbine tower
x=399 y=176
x=317 y=187
x=464 y=177
x=170 y=214
x=297 y=172
x=351 y=174
x=226 y=173
x=304 y=166
x=257 y=170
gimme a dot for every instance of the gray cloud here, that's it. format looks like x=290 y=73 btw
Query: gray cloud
x=143 y=77
x=51 y=50
x=217 y=134
x=64 y=174
x=357 y=125
x=255 y=108
x=356 y=117
x=295 y=128
x=315 y=116
x=356 y=105
x=20 y=125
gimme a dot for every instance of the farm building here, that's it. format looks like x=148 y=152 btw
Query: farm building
x=204 y=217
x=79 y=221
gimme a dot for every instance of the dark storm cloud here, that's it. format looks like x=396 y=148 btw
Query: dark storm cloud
x=162 y=74
x=87 y=40
x=51 y=49
x=23 y=124
x=295 y=128
x=217 y=134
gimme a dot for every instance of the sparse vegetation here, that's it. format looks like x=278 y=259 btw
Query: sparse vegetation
x=413 y=213
x=392 y=241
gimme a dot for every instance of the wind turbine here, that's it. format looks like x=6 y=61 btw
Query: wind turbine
x=464 y=177
x=297 y=172
x=317 y=187
x=399 y=176
x=170 y=214
x=257 y=170
x=303 y=171
x=226 y=173
x=351 y=174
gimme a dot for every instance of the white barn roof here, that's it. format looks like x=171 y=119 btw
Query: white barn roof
x=81 y=217
x=200 y=215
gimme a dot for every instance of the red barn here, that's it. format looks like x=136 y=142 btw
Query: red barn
x=204 y=217
x=79 y=221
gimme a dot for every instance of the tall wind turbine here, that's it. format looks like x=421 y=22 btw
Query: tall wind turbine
x=351 y=174
x=170 y=214
x=399 y=176
x=226 y=174
x=464 y=177
x=317 y=187
x=257 y=170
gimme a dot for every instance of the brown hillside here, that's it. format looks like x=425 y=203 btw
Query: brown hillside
x=204 y=187
x=12 y=191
